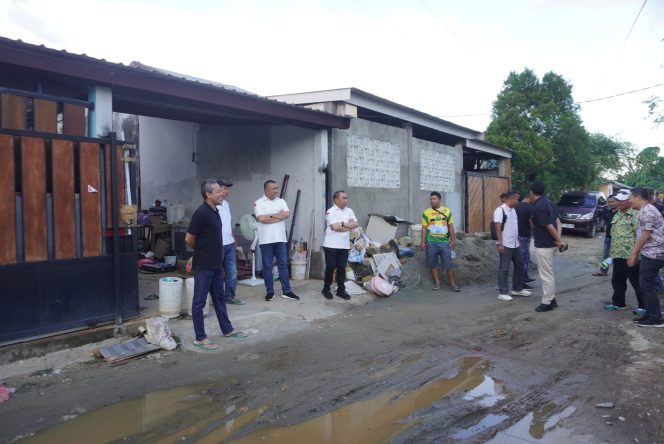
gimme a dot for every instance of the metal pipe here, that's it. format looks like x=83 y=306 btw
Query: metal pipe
x=115 y=220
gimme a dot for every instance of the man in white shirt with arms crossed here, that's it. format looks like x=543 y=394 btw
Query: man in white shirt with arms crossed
x=339 y=220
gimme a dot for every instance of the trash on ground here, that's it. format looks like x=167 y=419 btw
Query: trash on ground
x=604 y=405
x=118 y=354
x=6 y=392
x=159 y=333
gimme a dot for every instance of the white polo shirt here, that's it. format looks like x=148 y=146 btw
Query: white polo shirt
x=337 y=239
x=511 y=231
x=226 y=224
x=270 y=233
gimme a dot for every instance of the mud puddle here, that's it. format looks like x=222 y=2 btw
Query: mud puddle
x=193 y=414
x=540 y=427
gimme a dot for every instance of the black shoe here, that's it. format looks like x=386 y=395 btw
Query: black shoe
x=290 y=295
x=343 y=295
x=327 y=293
x=554 y=304
x=650 y=323
x=529 y=281
x=640 y=319
x=544 y=307
x=269 y=296
x=527 y=287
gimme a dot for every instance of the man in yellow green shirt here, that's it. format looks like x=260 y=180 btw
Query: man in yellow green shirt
x=438 y=240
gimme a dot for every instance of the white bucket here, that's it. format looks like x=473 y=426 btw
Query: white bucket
x=170 y=296
x=189 y=298
x=170 y=260
x=416 y=233
x=298 y=269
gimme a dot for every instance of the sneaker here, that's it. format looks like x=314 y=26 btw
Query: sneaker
x=505 y=297
x=529 y=280
x=612 y=307
x=343 y=295
x=290 y=295
x=650 y=323
x=327 y=293
x=544 y=307
x=521 y=293
x=528 y=287
x=234 y=301
x=639 y=311
x=645 y=317
x=554 y=303
x=269 y=296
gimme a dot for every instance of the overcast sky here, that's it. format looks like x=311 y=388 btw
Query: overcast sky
x=448 y=58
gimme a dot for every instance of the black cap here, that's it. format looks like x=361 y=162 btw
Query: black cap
x=222 y=182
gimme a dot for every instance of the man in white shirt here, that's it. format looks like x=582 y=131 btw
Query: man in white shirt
x=229 y=260
x=339 y=220
x=270 y=212
x=507 y=232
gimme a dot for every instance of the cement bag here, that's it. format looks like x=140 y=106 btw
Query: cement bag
x=159 y=333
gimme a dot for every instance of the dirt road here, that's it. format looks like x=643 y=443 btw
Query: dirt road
x=421 y=366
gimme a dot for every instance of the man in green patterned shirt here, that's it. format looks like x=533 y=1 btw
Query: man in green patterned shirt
x=623 y=238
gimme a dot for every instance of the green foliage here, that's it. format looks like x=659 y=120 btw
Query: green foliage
x=646 y=169
x=539 y=121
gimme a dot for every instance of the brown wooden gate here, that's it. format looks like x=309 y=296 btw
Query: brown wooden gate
x=482 y=197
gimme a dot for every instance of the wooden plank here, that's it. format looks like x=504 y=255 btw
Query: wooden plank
x=90 y=175
x=7 y=201
x=73 y=120
x=475 y=200
x=64 y=216
x=33 y=173
x=13 y=112
x=122 y=198
x=45 y=115
x=493 y=188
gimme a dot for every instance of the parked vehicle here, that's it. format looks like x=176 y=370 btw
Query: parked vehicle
x=582 y=211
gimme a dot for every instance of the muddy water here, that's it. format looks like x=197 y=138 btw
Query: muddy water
x=193 y=414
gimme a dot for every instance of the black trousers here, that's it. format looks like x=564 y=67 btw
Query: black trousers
x=335 y=258
x=621 y=273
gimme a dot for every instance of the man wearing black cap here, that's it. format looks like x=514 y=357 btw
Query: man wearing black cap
x=547 y=241
x=229 y=261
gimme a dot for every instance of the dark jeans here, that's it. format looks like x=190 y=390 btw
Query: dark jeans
x=335 y=258
x=648 y=271
x=279 y=251
x=621 y=273
x=510 y=255
x=230 y=271
x=524 y=246
x=209 y=281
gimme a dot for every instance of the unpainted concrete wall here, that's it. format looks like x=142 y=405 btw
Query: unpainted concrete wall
x=408 y=201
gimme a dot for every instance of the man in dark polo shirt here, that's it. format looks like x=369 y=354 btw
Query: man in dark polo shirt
x=524 y=213
x=547 y=241
x=204 y=236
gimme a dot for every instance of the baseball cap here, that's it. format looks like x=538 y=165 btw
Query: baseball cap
x=622 y=195
x=222 y=182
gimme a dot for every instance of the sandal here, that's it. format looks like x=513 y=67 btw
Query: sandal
x=435 y=287
x=236 y=334
x=205 y=344
x=456 y=288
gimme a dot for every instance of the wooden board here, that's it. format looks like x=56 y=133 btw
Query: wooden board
x=64 y=199
x=90 y=176
x=475 y=204
x=493 y=188
x=33 y=172
x=45 y=116
x=73 y=120
x=120 y=183
x=7 y=201
x=13 y=112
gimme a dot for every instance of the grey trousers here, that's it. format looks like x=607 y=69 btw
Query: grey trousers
x=511 y=255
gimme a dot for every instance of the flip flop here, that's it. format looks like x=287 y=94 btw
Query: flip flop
x=234 y=302
x=236 y=334
x=205 y=344
x=612 y=307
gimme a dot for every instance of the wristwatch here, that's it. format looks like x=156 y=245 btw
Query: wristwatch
x=270 y=216
x=342 y=223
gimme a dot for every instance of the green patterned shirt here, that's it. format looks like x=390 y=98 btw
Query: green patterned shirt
x=623 y=233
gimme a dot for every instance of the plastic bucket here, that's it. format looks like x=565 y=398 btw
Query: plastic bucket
x=298 y=269
x=416 y=233
x=170 y=260
x=170 y=297
x=189 y=298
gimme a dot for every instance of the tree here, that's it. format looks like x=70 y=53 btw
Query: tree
x=612 y=157
x=539 y=121
x=646 y=169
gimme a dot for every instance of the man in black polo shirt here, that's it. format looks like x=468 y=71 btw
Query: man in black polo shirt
x=524 y=214
x=204 y=236
x=547 y=241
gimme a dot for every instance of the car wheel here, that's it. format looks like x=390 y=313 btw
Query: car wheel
x=592 y=232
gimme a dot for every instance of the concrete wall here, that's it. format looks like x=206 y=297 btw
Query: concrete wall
x=243 y=155
x=408 y=201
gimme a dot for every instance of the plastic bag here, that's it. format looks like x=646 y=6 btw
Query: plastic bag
x=159 y=333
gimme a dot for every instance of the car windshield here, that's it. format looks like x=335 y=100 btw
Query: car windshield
x=582 y=201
